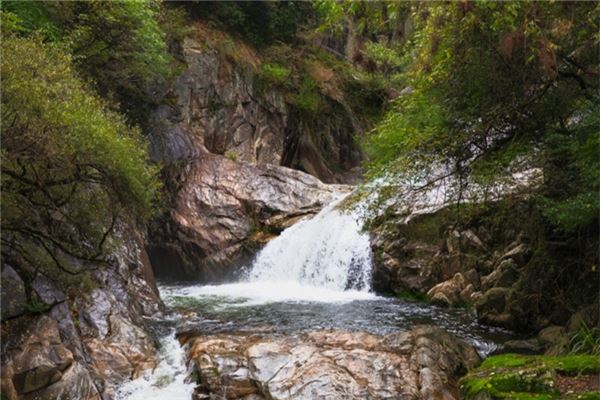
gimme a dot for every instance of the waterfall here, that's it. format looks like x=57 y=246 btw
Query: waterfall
x=323 y=259
x=328 y=251
x=167 y=381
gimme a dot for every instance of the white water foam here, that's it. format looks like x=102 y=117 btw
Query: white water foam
x=257 y=293
x=326 y=258
x=329 y=251
x=166 y=381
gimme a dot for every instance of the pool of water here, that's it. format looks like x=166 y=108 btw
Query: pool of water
x=288 y=307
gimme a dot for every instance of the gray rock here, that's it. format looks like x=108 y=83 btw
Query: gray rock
x=526 y=346
x=554 y=340
x=214 y=107
x=47 y=290
x=13 y=300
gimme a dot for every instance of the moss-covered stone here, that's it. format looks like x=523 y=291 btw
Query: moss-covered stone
x=513 y=376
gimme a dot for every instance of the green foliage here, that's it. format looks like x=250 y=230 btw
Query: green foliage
x=231 y=155
x=513 y=376
x=118 y=46
x=260 y=23
x=498 y=86
x=308 y=98
x=411 y=295
x=585 y=340
x=70 y=165
x=273 y=74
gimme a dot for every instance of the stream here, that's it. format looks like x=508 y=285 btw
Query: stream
x=314 y=276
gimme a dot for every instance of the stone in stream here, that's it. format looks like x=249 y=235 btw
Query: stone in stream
x=423 y=363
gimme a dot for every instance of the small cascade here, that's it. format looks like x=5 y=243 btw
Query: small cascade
x=167 y=381
x=328 y=251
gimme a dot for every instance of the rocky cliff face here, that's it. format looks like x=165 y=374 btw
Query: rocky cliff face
x=224 y=146
x=215 y=104
x=494 y=260
x=59 y=342
x=224 y=209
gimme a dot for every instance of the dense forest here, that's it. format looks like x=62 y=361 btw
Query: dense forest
x=448 y=150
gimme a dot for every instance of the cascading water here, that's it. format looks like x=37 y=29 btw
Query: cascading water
x=323 y=259
x=327 y=251
x=167 y=381
x=315 y=275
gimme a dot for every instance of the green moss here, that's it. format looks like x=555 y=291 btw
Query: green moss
x=513 y=376
x=505 y=361
x=274 y=74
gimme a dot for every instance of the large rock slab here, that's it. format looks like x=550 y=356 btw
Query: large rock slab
x=421 y=364
x=223 y=211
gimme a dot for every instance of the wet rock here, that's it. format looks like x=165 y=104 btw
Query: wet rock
x=222 y=205
x=84 y=346
x=40 y=366
x=420 y=364
x=14 y=300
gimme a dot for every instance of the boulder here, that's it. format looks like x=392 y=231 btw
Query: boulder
x=525 y=346
x=491 y=308
x=449 y=292
x=588 y=317
x=14 y=300
x=421 y=364
x=504 y=275
x=41 y=366
x=517 y=251
x=554 y=340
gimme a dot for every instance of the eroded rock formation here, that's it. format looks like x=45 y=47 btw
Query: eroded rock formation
x=224 y=209
x=424 y=363
x=215 y=104
x=84 y=342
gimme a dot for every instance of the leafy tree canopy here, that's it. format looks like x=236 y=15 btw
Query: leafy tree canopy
x=71 y=167
x=495 y=87
x=119 y=46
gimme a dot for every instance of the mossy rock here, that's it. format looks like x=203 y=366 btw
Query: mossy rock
x=513 y=376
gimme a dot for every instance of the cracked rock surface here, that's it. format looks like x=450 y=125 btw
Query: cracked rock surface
x=423 y=363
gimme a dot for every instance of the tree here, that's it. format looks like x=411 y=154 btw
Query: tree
x=71 y=167
x=498 y=87
x=119 y=47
